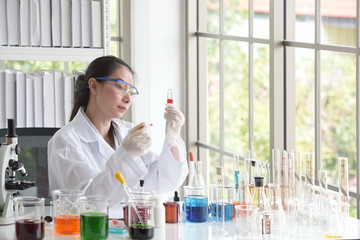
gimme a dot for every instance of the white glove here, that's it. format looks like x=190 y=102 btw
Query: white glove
x=138 y=141
x=174 y=121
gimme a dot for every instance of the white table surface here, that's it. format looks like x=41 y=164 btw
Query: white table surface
x=196 y=231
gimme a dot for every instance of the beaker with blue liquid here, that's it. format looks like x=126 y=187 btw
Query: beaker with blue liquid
x=222 y=202
x=196 y=207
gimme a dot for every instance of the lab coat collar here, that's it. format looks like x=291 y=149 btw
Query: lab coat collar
x=89 y=134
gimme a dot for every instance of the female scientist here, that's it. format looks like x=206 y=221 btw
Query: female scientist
x=96 y=143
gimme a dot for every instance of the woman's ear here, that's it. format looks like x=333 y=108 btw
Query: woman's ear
x=93 y=86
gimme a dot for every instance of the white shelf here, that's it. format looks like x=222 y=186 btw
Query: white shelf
x=50 y=54
x=61 y=54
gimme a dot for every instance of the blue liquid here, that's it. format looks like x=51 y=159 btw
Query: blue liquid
x=196 y=208
x=229 y=211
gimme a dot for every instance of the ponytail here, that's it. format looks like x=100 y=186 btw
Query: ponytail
x=81 y=95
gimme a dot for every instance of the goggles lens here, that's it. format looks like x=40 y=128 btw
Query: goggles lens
x=121 y=87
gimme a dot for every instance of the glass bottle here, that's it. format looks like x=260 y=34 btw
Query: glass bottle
x=192 y=171
x=260 y=199
x=172 y=209
x=199 y=178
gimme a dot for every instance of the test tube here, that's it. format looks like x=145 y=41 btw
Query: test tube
x=310 y=171
x=323 y=179
x=343 y=169
x=284 y=179
x=292 y=178
x=276 y=166
x=169 y=96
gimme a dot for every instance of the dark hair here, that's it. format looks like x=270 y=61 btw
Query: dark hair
x=100 y=67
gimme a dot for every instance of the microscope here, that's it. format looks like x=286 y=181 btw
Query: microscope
x=9 y=165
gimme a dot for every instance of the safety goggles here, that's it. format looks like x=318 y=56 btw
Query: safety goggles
x=121 y=87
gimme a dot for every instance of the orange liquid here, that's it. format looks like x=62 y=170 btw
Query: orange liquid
x=67 y=224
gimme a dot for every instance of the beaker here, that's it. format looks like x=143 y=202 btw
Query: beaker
x=66 y=211
x=29 y=218
x=247 y=221
x=141 y=219
x=334 y=226
x=94 y=218
x=196 y=204
x=222 y=199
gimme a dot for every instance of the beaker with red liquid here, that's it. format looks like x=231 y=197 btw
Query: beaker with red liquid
x=29 y=218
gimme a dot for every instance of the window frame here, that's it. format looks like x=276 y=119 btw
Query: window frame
x=282 y=86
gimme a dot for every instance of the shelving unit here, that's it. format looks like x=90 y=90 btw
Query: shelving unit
x=69 y=54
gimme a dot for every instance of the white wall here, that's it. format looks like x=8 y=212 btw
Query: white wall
x=158 y=59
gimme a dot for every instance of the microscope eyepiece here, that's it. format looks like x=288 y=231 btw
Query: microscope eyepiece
x=11 y=132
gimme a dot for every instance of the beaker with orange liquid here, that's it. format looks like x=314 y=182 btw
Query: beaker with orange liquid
x=66 y=211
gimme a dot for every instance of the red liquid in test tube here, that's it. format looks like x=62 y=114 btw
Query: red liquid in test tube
x=170 y=97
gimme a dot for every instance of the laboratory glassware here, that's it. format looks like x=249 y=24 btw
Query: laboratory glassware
x=247 y=221
x=141 y=218
x=334 y=227
x=172 y=209
x=260 y=199
x=284 y=179
x=192 y=171
x=94 y=217
x=66 y=211
x=222 y=202
x=121 y=179
x=196 y=208
x=343 y=173
x=29 y=218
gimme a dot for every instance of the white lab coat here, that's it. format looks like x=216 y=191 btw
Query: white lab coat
x=77 y=153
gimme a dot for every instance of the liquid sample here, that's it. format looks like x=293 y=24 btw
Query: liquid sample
x=196 y=208
x=67 y=224
x=141 y=232
x=29 y=229
x=171 y=212
x=229 y=211
x=94 y=226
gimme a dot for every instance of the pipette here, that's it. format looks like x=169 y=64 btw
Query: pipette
x=121 y=179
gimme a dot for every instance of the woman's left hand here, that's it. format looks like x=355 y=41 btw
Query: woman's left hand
x=174 y=121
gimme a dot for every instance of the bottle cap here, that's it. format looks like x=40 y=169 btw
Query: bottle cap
x=219 y=170
x=142 y=183
x=176 y=197
x=191 y=156
x=259 y=181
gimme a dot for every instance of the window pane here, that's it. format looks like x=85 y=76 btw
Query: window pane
x=115 y=48
x=338 y=22
x=214 y=161
x=213 y=79
x=338 y=116
x=31 y=66
x=114 y=18
x=236 y=96
x=303 y=15
x=261 y=18
x=209 y=16
x=261 y=102
x=304 y=100
x=236 y=18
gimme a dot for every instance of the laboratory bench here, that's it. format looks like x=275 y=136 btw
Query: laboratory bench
x=199 y=231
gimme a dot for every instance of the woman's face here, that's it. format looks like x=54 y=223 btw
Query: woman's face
x=113 y=100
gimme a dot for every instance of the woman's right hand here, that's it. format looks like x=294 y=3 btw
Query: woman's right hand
x=138 y=140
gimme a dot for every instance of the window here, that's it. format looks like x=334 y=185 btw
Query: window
x=274 y=74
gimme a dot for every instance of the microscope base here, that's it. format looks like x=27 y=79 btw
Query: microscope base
x=6 y=221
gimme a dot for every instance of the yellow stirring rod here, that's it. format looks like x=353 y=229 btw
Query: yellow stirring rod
x=121 y=179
